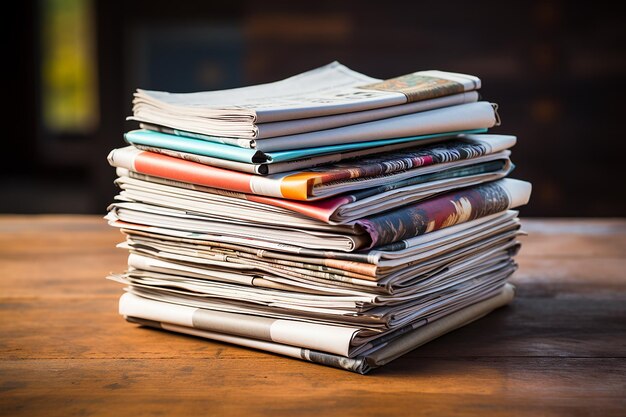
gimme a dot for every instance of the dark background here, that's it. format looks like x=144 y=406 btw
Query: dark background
x=557 y=71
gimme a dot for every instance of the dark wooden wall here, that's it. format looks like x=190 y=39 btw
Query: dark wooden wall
x=556 y=70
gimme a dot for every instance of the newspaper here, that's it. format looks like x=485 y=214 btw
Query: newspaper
x=220 y=265
x=347 y=309
x=377 y=356
x=367 y=265
x=320 y=337
x=351 y=261
x=373 y=268
x=392 y=226
x=332 y=89
x=311 y=124
x=324 y=181
x=332 y=336
x=264 y=289
x=478 y=115
x=136 y=213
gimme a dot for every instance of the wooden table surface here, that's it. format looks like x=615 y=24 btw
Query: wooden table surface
x=559 y=349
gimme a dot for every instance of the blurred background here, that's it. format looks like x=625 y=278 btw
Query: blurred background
x=556 y=70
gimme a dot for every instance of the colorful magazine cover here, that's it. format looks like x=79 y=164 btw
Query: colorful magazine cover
x=199 y=148
x=320 y=182
x=336 y=210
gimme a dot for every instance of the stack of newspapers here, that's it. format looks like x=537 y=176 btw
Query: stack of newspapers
x=330 y=216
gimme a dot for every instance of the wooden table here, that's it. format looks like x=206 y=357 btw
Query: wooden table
x=559 y=349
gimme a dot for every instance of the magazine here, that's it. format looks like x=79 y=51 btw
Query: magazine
x=338 y=210
x=230 y=157
x=324 y=181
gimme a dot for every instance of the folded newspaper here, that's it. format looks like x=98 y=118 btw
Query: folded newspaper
x=419 y=252
x=375 y=357
x=438 y=212
x=166 y=268
x=311 y=102
x=362 y=364
x=466 y=117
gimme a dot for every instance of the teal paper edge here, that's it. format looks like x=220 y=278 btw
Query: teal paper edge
x=249 y=156
x=189 y=145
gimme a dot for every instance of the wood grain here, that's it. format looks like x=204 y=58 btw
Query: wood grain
x=559 y=349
